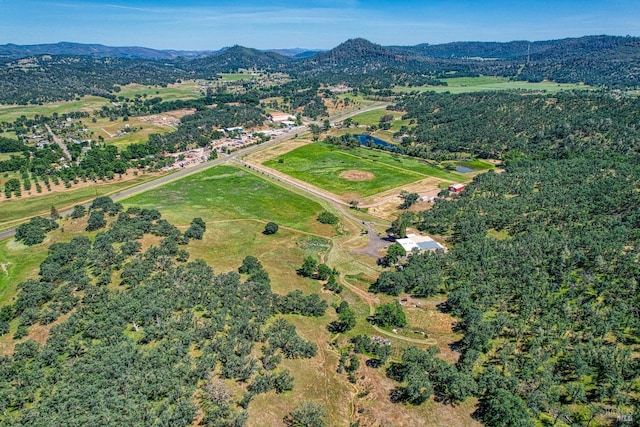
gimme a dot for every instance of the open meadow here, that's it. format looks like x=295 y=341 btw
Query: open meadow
x=371 y=118
x=184 y=90
x=136 y=129
x=356 y=173
x=187 y=89
x=227 y=192
x=490 y=83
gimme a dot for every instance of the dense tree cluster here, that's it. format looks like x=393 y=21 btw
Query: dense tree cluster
x=511 y=125
x=346 y=319
x=296 y=303
x=147 y=338
x=346 y=140
x=542 y=275
x=270 y=228
x=8 y=145
x=33 y=232
x=425 y=374
x=47 y=78
x=421 y=275
x=196 y=229
x=387 y=315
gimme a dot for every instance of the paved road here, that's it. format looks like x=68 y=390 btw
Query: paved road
x=206 y=165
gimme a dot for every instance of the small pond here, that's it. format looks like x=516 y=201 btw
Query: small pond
x=369 y=141
x=463 y=169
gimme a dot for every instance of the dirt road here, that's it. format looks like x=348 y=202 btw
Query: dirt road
x=60 y=143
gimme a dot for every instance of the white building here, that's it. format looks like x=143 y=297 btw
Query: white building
x=420 y=243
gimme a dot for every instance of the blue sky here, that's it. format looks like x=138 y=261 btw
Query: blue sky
x=323 y=24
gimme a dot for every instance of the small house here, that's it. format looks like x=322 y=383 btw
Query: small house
x=456 y=188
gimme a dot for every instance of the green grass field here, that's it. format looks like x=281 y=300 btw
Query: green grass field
x=103 y=127
x=8 y=113
x=17 y=264
x=488 y=83
x=185 y=90
x=226 y=192
x=321 y=165
x=7 y=156
x=409 y=163
x=476 y=165
x=371 y=118
x=234 y=77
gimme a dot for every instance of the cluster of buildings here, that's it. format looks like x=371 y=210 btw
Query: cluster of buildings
x=285 y=119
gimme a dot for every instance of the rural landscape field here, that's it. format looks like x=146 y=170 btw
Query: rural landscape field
x=370 y=235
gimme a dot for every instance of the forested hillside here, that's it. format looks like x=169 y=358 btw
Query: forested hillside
x=96 y=50
x=606 y=61
x=508 y=125
x=54 y=78
x=542 y=269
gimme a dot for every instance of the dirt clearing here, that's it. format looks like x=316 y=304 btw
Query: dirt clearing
x=356 y=175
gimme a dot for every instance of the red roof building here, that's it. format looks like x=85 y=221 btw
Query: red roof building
x=456 y=188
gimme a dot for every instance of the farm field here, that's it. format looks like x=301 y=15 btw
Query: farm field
x=476 y=165
x=410 y=163
x=489 y=83
x=234 y=77
x=185 y=90
x=17 y=209
x=370 y=118
x=9 y=113
x=226 y=192
x=358 y=172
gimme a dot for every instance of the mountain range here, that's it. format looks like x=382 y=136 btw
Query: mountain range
x=353 y=48
x=44 y=73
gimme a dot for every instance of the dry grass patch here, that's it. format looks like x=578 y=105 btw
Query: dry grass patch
x=437 y=325
x=316 y=380
x=385 y=205
x=357 y=175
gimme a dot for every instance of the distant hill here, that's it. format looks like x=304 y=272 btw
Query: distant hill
x=595 y=60
x=295 y=52
x=95 y=50
x=356 y=49
x=43 y=73
x=237 y=57
x=357 y=62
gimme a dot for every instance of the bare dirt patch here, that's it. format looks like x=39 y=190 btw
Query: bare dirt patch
x=169 y=118
x=356 y=175
x=385 y=205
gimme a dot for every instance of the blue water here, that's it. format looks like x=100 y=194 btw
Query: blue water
x=463 y=169
x=371 y=141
